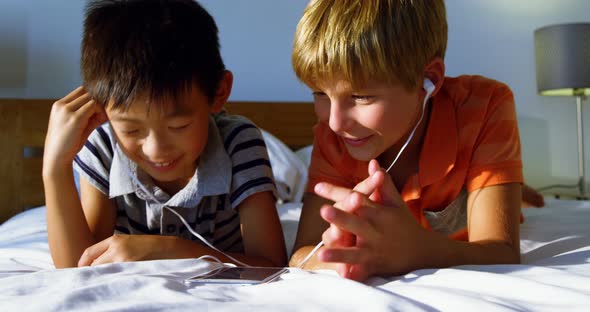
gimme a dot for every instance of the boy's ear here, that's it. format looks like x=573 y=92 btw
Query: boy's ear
x=435 y=71
x=223 y=92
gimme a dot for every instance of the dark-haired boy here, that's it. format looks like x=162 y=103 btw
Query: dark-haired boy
x=153 y=70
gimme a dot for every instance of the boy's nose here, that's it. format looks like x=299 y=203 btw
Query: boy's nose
x=339 y=118
x=155 y=146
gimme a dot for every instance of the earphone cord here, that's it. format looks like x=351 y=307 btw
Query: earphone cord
x=320 y=244
x=188 y=227
x=411 y=133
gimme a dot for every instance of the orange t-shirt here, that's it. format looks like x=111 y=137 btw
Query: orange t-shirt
x=471 y=142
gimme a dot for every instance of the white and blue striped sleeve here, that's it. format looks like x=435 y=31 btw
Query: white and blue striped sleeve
x=251 y=169
x=93 y=162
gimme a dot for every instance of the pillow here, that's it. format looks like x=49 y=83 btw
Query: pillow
x=289 y=171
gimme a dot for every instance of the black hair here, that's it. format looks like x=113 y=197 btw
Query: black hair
x=157 y=49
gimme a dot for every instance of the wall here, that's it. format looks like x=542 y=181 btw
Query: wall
x=495 y=38
x=39 y=52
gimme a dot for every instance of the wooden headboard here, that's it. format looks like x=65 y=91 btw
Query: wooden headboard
x=23 y=124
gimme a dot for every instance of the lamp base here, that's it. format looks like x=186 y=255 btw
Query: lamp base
x=581 y=193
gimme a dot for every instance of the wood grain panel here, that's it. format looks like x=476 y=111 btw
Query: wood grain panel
x=292 y=122
x=23 y=125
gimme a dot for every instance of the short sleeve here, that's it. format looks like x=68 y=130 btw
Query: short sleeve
x=496 y=158
x=93 y=162
x=251 y=169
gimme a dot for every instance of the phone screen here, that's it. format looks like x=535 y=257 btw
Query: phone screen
x=237 y=275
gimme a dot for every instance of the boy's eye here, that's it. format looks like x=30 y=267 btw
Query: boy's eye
x=362 y=98
x=319 y=95
x=179 y=127
x=130 y=132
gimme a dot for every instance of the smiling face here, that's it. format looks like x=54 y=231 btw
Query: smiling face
x=167 y=140
x=370 y=120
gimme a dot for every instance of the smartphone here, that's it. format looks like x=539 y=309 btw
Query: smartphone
x=237 y=275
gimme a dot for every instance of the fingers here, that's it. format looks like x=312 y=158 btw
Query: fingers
x=351 y=262
x=335 y=237
x=93 y=112
x=531 y=198
x=356 y=224
x=93 y=252
x=337 y=193
x=79 y=102
x=104 y=258
x=373 y=182
x=387 y=192
x=74 y=94
x=331 y=192
x=77 y=99
x=357 y=273
x=349 y=255
x=373 y=166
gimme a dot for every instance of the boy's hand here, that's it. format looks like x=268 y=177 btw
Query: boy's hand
x=336 y=237
x=388 y=239
x=72 y=120
x=531 y=198
x=122 y=248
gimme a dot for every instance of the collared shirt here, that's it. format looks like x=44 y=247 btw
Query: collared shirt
x=233 y=166
x=471 y=142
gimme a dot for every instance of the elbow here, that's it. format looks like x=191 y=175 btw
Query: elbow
x=515 y=256
x=279 y=261
x=294 y=262
x=298 y=256
x=276 y=259
x=510 y=253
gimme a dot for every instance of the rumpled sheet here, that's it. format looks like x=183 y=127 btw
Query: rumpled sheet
x=555 y=275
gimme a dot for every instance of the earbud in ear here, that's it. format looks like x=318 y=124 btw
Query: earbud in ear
x=429 y=87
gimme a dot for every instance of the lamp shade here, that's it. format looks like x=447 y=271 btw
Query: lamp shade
x=562 y=54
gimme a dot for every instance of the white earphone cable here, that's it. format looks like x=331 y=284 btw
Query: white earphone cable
x=188 y=227
x=429 y=89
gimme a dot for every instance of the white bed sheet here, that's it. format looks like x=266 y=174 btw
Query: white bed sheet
x=555 y=275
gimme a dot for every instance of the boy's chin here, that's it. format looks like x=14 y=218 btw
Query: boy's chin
x=361 y=154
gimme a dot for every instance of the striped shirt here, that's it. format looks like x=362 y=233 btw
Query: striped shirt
x=233 y=166
x=471 y=142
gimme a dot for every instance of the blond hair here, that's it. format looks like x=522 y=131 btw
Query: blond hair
x=366 y=40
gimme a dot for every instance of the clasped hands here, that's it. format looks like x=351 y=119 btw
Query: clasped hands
x=372 y=231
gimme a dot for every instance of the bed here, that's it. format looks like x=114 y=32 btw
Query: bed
x=554 y=274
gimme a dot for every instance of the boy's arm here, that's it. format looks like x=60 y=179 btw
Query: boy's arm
x=390 y=241
x=73 y=226
x=309 y=233
x=261 y=231
x=312 y=226
x=71 y=121
x=493 y=222
x=99 y=210
x=67 y=231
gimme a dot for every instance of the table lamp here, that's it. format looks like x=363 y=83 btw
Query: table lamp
x=562 y=54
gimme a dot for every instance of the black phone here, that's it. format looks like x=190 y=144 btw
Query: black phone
x=237 y=275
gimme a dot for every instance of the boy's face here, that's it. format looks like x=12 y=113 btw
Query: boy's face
x=369 y=120
x=166 y=143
